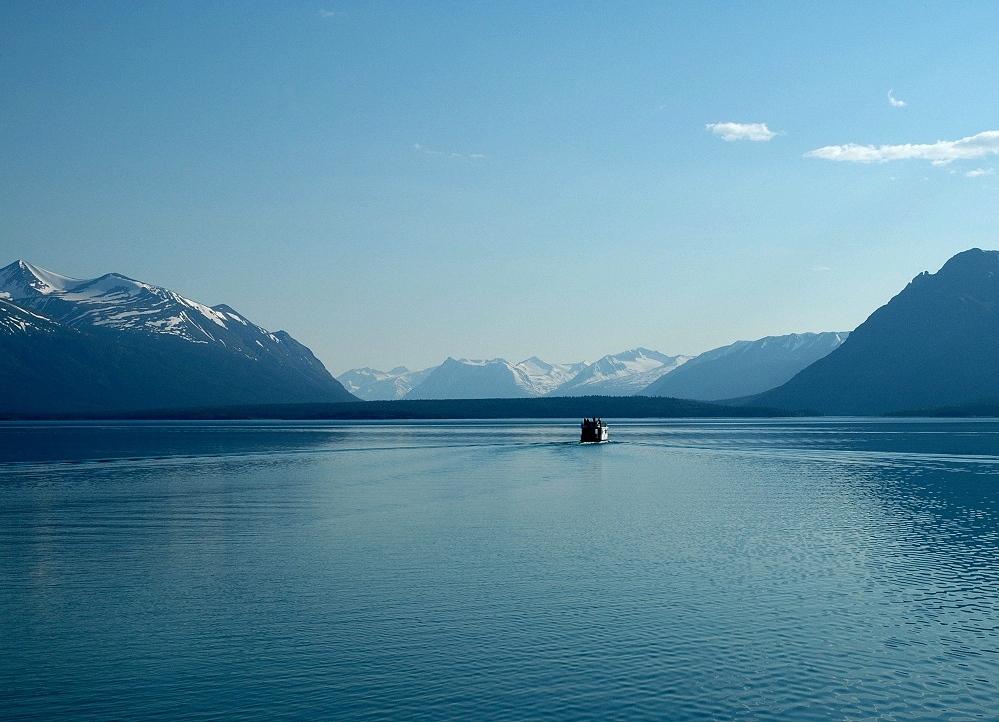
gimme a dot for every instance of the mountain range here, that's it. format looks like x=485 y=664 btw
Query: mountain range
x=620 y=374
x=114 y=343
x=106 y=344
x=739 y=369
x=935 y=344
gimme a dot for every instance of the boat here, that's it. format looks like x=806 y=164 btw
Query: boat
x=594 y=431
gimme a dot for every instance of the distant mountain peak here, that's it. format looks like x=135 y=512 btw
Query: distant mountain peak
x=373 y=385
x=474 y=379
x=534 y=365
x=24 y=280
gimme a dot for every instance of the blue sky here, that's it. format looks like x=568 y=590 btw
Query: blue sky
x=394 y=183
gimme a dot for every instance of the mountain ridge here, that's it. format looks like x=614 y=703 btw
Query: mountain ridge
x=745 y=368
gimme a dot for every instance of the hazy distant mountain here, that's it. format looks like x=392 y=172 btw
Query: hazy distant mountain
x=113 y=343
x=935 y=343
x=745 y=367
x=474 y=379
x=460 y=379
x=374 y=385
x=623 y=374
x=618 y=375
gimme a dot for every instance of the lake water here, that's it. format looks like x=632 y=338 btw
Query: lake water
x=786 y=569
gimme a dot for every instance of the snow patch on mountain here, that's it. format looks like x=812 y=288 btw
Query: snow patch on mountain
x=17 y=320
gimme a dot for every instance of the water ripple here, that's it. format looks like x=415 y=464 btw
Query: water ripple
x=712 y=570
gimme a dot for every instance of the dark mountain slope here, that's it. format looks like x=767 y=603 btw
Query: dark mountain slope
x=935 y=343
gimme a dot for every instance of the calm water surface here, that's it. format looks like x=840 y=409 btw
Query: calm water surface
x=817 y=569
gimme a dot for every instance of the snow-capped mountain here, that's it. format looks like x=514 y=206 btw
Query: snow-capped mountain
x=546 y=377
x=118 y=303
x=373 y=385
x=147 y=346
x=622 y=374
x=475 y=379
x=745 y=367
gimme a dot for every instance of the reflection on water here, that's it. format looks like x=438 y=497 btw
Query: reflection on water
x=776 y=569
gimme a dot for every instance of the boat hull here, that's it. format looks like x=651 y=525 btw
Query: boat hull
x=594 y=434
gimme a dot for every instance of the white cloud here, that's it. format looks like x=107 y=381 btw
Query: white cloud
x=741 y=131
x=979 y=172
x=939 y=153
x=332 y=13
x=895 y=101
x=821 y=269
x=430 y=151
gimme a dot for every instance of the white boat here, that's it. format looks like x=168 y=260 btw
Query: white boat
x=594 y=431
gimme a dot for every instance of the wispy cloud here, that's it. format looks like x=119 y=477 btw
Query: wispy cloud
x=331 y=14
x=939 y=153
x=741 y=131
x=430 y=151
x=895 y=101
x=821 y=269
x=978 y=172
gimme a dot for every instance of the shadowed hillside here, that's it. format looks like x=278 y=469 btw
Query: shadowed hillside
x=935 y=343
